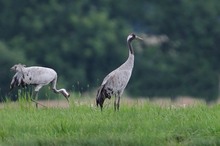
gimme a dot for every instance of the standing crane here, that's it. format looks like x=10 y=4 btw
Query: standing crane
x=116 y=81
x=37 y=76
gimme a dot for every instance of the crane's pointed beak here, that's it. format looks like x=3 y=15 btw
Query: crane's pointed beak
x=139 y=38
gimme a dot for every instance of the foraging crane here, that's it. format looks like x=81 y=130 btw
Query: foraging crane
x=116 y=81
x=37 y=76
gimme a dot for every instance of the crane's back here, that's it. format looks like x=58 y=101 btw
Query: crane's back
x=39 y=75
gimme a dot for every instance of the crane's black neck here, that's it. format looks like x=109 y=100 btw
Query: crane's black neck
x=131 y=50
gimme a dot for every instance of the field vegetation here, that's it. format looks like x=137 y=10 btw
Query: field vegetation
x=139 y=122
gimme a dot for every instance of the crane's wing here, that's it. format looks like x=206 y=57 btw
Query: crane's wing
x=107 y=78
x=114 y=82
x=103 y=91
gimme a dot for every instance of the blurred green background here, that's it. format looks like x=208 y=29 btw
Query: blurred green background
x=84 y=40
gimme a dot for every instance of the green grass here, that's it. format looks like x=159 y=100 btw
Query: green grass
x=145 y=124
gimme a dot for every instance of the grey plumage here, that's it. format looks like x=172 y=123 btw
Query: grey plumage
x=116 y=81
x=37 y=76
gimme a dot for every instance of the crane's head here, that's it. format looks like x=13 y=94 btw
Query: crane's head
x=18 y=67
x=132 y=36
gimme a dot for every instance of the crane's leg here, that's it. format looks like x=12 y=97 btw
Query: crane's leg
x=35 y=94
x=101 y=106
x=118 y=104
x=117 y=101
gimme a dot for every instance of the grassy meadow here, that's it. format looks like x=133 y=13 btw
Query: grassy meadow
x=137 y=123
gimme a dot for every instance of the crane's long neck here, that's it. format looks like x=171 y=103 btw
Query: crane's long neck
x=131 y=50
x=63 y=91
x=130 y=61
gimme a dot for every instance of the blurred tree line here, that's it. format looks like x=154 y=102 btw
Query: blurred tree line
x=84 y=40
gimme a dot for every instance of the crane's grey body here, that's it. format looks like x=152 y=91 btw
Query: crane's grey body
x=37 y=76
x=116 y=81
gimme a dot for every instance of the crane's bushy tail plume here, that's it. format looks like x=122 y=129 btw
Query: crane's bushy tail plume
x=102 y=94
x=100 y=97
x=17 y=81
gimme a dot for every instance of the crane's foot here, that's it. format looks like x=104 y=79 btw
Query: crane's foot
x=37 y=103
